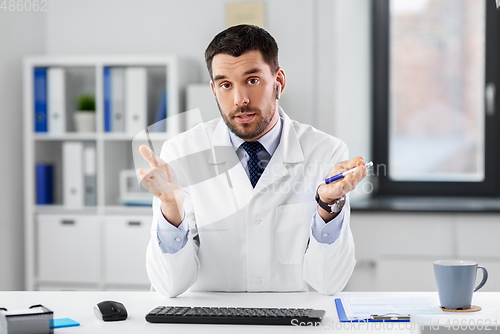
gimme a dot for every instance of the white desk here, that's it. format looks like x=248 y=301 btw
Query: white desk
x=79 y=307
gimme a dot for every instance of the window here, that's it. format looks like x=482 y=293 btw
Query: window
x=435 y=72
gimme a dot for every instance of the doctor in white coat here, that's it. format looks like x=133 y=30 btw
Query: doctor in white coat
x=237 y=205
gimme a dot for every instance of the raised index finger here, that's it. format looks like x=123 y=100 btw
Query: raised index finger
x=148 y=155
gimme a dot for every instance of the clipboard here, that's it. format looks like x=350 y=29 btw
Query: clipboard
x=374 y=318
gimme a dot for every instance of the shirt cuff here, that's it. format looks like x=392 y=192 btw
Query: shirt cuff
x=170 y=238
x=327 y=233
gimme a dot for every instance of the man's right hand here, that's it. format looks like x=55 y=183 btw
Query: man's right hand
x=160 y=180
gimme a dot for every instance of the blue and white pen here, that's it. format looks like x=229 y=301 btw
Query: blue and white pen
x=344 y=174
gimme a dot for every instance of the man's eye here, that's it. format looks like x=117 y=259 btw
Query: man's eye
x=225 y=85
x=253 y=81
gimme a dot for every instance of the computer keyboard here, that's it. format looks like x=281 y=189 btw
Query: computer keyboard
x=235 y=315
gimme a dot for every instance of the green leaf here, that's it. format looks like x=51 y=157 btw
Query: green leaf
x=86 y=102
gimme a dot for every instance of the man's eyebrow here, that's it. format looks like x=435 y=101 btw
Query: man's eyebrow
x=219 y=77
x=250 y=71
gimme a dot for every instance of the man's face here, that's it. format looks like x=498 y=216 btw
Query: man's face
x=245 y=90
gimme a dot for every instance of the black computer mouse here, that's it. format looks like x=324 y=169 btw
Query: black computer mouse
x=109 y=310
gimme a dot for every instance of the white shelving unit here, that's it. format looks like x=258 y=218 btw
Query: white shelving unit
x=98 y=247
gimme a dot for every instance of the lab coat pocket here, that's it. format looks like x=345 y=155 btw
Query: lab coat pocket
x=292 y=224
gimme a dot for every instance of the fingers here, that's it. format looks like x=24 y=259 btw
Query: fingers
x=155 y=182
x=356 y=162
x=346 y=165
x=140 y=173
x=332 y=191
x=359 y=174
x=145 y=176
x=149 y=156
x=349 y=182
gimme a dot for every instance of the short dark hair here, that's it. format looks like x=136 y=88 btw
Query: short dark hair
x=237 y=40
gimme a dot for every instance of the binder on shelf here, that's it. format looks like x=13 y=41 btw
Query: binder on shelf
x=118 y=99
x=135 y=99
x=40 y=97
x=44 y=183
x=161 y=114
x=89 y=174
x=56 y=100
x=107 y=98
x=73 y=190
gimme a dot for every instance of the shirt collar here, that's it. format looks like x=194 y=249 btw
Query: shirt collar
x=270 y=140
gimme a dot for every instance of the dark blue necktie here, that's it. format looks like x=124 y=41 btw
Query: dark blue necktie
x=254 y=168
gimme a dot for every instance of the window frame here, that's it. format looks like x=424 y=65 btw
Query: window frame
x=384 y=186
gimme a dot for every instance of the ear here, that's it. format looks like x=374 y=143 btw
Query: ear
x=281 y=80
x=212 y=87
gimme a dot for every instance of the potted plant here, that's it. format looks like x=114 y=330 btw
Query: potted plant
x=85 y=114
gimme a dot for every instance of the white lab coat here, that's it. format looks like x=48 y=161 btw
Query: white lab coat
x=246 y=239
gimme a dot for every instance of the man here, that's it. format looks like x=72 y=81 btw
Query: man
x=236 y=200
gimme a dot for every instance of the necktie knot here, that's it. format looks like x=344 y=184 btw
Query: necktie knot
x=255 y=168
x=252 y=147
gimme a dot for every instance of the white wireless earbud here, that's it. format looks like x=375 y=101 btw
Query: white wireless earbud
x=279 y=91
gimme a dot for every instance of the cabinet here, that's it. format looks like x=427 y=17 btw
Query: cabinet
x=125 y=240
x=97 y=243
x=68 y=248
x=396 y=251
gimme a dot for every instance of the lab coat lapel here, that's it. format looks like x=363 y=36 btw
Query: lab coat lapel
x=225 y=159
x=288 y=152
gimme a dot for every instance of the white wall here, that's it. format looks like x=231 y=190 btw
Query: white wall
x=21 y=33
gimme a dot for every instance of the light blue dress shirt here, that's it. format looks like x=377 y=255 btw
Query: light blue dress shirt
x=172 y=239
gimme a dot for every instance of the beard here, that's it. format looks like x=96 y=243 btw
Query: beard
x=253 y=129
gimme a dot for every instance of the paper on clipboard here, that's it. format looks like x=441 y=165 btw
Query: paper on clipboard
x=357 y=309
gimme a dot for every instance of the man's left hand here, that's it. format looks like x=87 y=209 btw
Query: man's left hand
x=329 y=193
